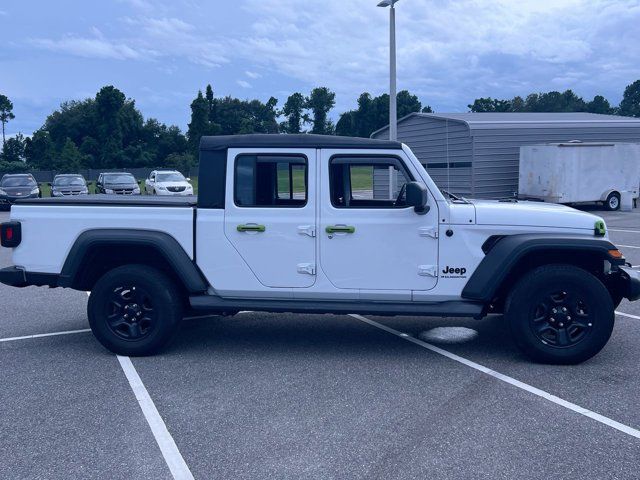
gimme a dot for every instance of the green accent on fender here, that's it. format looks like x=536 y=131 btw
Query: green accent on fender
x=600 y=230
x=251 y=228
x=340 y=229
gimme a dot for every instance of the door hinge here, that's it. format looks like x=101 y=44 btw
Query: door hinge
x=428 y=270
x=309 y=230
x=308 y=268
x=428 y=232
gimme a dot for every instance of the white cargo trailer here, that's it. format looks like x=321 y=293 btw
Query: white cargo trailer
x=576 y=172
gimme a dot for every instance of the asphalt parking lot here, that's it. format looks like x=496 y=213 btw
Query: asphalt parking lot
x=301 y=396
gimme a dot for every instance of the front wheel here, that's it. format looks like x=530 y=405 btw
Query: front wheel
x=560 y=314
x=134 y=310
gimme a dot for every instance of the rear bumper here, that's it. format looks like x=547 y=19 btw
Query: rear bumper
x=630 y=280
x=16 y=277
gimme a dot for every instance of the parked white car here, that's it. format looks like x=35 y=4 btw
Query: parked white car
x=167 y=182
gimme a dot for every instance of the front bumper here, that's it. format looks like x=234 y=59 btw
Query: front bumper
x=10 y=200
x=630 y=283
x=166 y=193
x=16 y=277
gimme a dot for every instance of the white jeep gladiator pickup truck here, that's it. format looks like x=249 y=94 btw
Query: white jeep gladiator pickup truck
x=322 y=224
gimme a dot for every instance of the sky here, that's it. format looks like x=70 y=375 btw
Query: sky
x=160 y=53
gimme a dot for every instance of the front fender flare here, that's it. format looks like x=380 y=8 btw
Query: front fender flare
x=508 y=251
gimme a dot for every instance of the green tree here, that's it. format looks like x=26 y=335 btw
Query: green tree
x=320 y=101
x=183 y=162
x=107 y=130
x=6 y=114
x=373 y=113
x=13 y=149
x=70 y=159
x=200 y=124
x=427 y=109
x=601 y=105
x=489 y=104
x=40 y=150
x=293 y=110
x=630 y=104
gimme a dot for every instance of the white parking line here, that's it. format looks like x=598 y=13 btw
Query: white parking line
x=627 y=315
x=40 y=335
x=505 y=378
x=168 y=447
x=626 y=246
x=624 y=231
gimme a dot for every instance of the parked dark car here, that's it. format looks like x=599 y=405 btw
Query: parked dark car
x=117 y=184
x=68 y=185
x=16 y=186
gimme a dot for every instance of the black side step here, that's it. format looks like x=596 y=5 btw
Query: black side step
x=211 y=303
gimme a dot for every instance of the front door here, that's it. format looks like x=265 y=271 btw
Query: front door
x=270 y=215
x=369 y=238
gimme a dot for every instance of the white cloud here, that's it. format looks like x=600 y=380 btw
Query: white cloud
x=244 y=84
x=88 y=47
x=253 y=75
x=448 y=51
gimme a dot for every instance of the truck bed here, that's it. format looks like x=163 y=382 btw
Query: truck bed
x=115 y=201
x=50 y=226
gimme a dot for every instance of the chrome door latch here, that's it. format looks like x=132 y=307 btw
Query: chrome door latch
x=428 y=270
x=308 y=268
x=428 y=232
x=308 y=230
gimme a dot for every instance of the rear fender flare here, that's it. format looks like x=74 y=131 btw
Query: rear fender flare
x=166 y=245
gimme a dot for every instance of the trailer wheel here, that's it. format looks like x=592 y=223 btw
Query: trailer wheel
x=612 y=202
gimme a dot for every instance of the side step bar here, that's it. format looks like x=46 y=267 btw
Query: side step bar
x=211 y=303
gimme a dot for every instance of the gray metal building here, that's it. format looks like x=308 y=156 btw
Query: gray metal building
x=477 y=154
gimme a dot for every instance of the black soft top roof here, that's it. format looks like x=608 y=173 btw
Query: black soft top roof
x=304 y=140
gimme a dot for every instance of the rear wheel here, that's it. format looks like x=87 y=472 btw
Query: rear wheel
x=134 y=310
x=612 y=202
x=560 y=314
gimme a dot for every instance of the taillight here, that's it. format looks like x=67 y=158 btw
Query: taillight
x=10 y=234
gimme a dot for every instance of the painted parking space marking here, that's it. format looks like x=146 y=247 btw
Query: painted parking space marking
x=627 y=246
x=41 y=335
x=507 y=379
x=622 y=314
x=168 y=447
x=623 y=231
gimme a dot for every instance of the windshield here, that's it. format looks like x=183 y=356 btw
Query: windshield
x=119 y=178
x=69 y=182
x=170 y=177
x=19 y=182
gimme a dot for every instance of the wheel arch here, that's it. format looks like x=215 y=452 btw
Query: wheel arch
x=97 y=251
x=512 y=256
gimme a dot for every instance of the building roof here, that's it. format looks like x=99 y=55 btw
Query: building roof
x=526 y=119
x=222 y=142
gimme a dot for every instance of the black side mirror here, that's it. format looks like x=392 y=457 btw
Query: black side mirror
x=417 y=197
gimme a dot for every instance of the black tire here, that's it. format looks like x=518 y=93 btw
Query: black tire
x=134 y=310
x=612 y=202
x=576 y=330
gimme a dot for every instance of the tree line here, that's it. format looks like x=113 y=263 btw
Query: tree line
x=109 y=131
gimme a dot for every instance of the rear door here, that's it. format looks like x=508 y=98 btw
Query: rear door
x=270 y=214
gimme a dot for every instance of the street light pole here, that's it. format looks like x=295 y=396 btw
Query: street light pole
x=393 y=115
